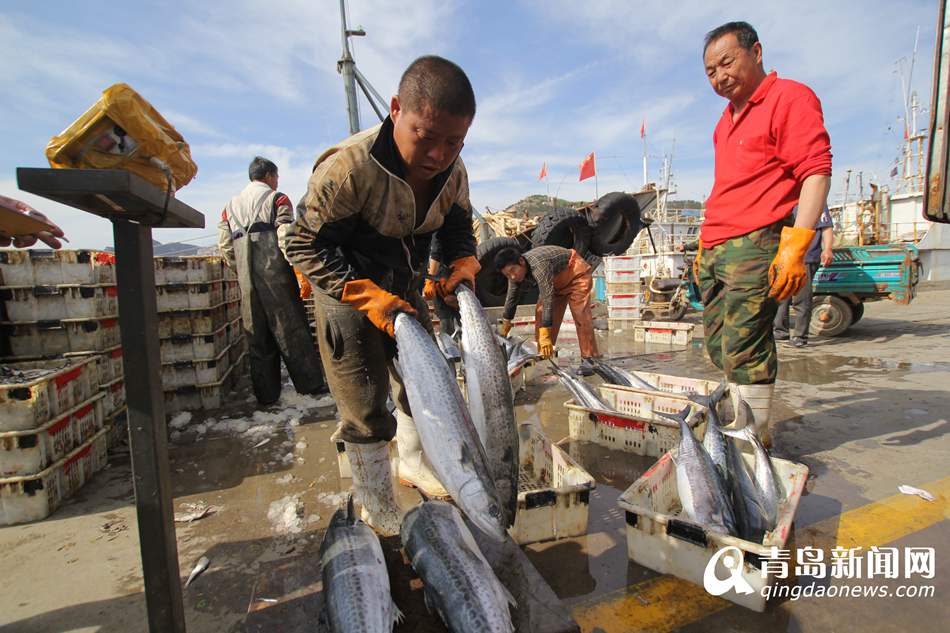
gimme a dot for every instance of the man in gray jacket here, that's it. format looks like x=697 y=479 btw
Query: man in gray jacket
x=252 y=236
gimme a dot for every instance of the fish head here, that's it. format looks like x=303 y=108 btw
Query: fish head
x=485 y=512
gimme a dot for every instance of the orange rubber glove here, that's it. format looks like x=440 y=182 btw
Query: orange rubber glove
x=463 y=269
x=699 y=253
x=380 y=306
x=504 y=327
x=545 y=344
x=305 y=288
x=788 y=273
x=430 y=289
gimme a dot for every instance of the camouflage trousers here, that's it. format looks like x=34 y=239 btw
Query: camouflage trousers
x=737 y=311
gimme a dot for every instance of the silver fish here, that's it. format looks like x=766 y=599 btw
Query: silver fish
x=449 y=347
x=449 y=437
x=490 y=400
x=631 y=379
x=583 y=394
x=746 y=499
x=199 y=569
x=713 y=440
x=608 y=373
x=765 y=480
x=355 y=579
x=459 y=583
x=701 y=490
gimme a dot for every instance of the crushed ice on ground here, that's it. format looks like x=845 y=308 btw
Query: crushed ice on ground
x=332 y=499
x=286 y=479
x=284 y=515
x=180 y=420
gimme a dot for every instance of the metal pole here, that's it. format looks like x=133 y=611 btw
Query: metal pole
x=345 y=68
x=147 y=433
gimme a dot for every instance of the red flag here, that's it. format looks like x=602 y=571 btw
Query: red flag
x=544 y=171
x=587 y=167
x=643 y=128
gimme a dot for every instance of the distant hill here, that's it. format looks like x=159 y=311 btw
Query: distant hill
x=176 y=249
x=538 y=205
x=684 y=204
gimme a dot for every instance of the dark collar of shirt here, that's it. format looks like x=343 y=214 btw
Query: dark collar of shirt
x=384 y=150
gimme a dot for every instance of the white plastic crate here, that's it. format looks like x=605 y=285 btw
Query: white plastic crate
x=232 y=290
x=189 y=296
x=621 y=263
x=46 y=267
x=553 y=491
x=661 y=538
x=186 y=347
x=624 y=287
x=622 y=276
x=53 y=338
x=56 y=386
x=679 y=385
x=626 y=300
x=192 y=322
x=235 y=331
x=664 y=332
x=108 y=363
x=637 y=426
x=233 y=309
x=624 y=312
x=195 y=372
x=198 y=397
x=179 y=270
x=35 y=497
x=227 y=273
x=29 y=452
x=114 y=399
x=52 y=303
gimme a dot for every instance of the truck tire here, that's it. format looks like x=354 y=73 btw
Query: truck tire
x=857 y=310
x=615 y=221
x=491 y=287
x=830 y=316
x=563 y=227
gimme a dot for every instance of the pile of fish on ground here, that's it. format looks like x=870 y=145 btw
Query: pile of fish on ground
x=715 y=486
x=473 y=449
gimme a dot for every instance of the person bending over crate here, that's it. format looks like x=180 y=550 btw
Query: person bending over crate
x=563 y=278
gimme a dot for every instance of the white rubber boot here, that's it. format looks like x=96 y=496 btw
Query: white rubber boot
x=414 y=468
x=373 y=486
x=759 y=399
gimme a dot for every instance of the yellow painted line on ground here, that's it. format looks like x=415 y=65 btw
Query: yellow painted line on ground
x=666 y=603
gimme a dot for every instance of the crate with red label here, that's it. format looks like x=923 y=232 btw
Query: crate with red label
x=635 y=424
x=46 y=267
x=28 y=498
x=663 y=332
x=32 y=393
x=29 y=452
x=51 y=303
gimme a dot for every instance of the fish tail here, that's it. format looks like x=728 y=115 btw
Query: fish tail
x=350 y=514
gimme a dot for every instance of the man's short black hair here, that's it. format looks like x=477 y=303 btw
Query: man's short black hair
x=507 y=256
x=745 y=34
x=439 y=84
x=261 y=168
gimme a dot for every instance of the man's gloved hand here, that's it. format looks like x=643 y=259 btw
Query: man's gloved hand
x=788 y=273
x=430 y=289
x=504 y=327
x=699 y=254
x=545 y=344
x=380 y=306
x=463 y=269
x=305 y=288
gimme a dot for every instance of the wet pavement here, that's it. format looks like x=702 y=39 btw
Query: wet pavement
x=865 y=412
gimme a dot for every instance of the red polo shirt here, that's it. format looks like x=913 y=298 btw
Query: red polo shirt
x=762 y=158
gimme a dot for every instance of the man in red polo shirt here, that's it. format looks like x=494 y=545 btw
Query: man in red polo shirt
x=772 y=152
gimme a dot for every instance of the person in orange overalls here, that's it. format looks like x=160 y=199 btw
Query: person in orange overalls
x=563 y=278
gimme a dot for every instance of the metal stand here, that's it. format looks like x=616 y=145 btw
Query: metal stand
x=135 y=206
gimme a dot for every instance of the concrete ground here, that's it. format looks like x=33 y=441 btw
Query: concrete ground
x=866 y=412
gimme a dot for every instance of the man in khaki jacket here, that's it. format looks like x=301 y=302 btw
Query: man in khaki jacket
x=374 y=203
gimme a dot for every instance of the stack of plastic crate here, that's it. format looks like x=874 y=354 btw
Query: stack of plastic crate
x=624 y=290
x=53 y=434
x=63 y=304
x=200 y=334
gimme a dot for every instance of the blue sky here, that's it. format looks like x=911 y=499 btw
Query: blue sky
x=554 y=81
